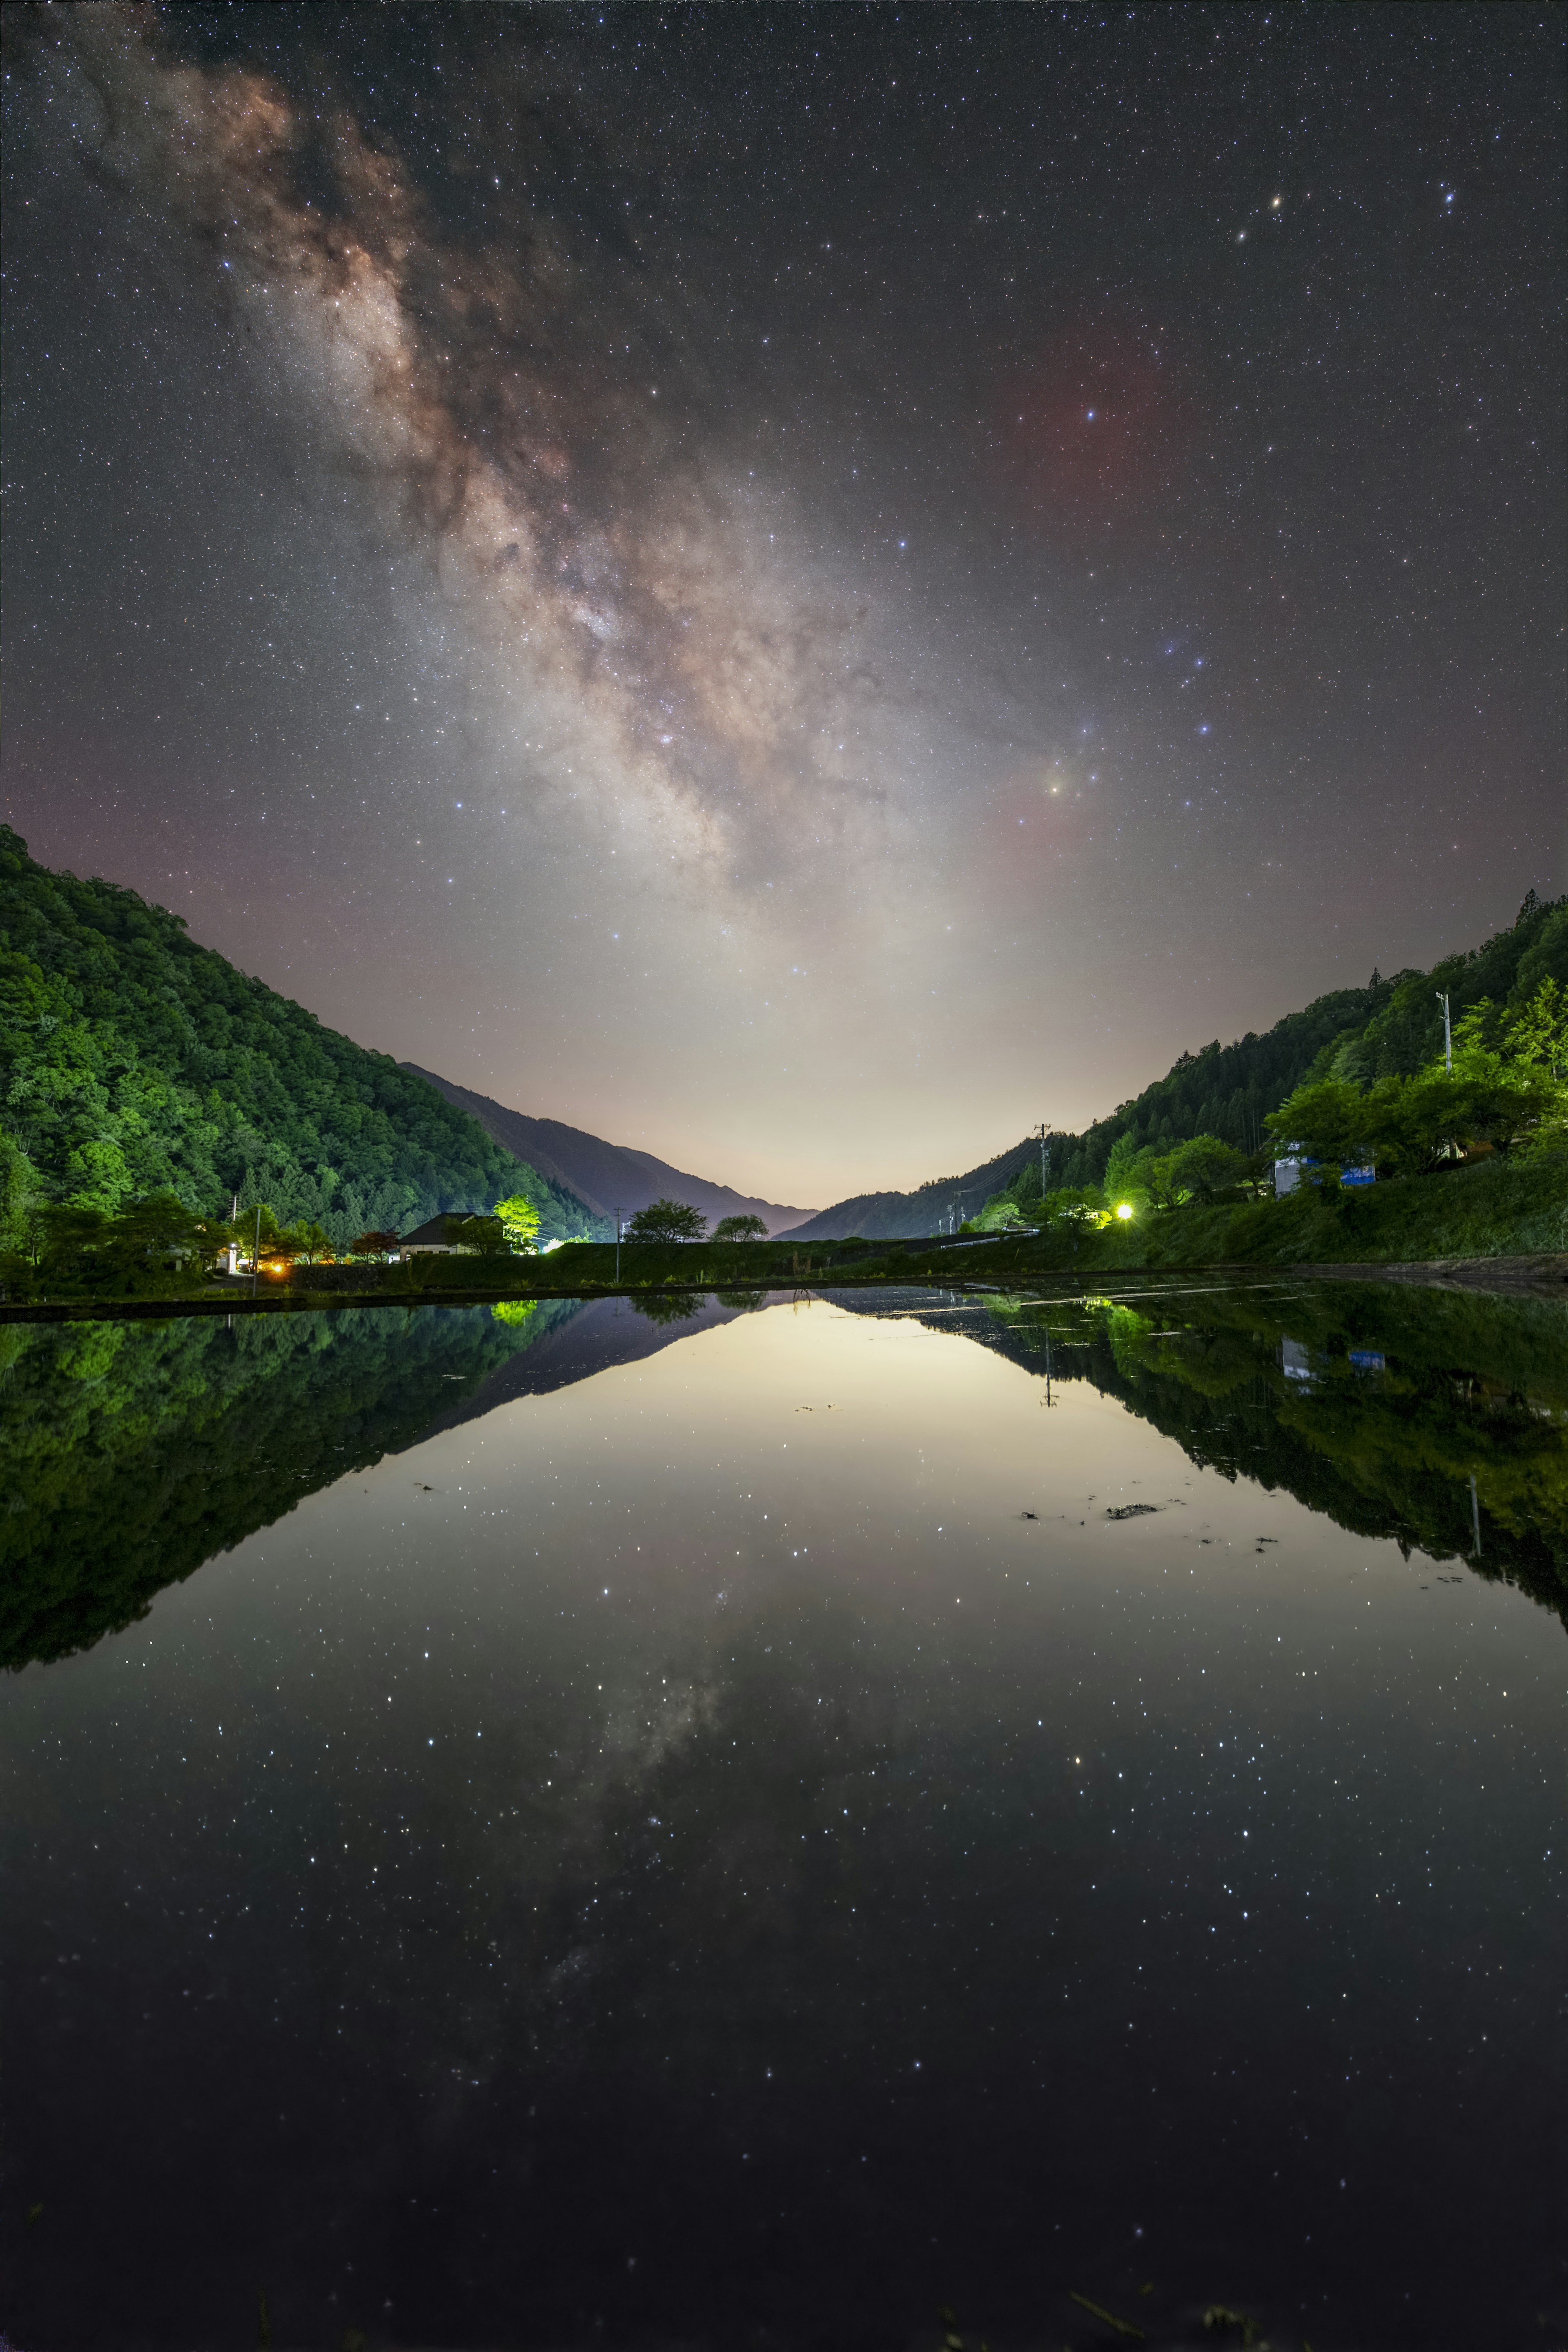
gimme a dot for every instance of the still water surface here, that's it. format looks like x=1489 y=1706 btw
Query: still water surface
x=741 y=1826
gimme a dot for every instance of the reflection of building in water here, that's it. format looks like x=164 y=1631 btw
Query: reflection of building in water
x=1294 y=1360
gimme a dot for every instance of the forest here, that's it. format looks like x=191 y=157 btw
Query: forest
x=1374 y=1080
x=134 y=1063
x=1390 y=1030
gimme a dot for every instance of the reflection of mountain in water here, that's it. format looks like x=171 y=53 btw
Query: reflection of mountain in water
x=131 y=1452
x=1437 y=1419
x=598 y=1333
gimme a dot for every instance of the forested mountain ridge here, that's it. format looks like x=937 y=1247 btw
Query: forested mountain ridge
x=1389 y=1028
x=133 y=1060
x=607 y=1176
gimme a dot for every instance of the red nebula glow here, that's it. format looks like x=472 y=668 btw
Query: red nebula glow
x=1030 y=834
x=1084 y=433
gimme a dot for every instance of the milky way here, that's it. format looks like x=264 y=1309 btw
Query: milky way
x=804 y=595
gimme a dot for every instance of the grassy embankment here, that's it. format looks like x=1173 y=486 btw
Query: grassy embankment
x=1499 y=1208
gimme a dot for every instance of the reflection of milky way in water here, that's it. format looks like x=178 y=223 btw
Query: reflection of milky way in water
x=619 y=1840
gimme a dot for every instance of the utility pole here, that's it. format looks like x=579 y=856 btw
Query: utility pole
x=1447 y=1032
x=617 y=1249
x=1044 y=1159
x=256 y=1251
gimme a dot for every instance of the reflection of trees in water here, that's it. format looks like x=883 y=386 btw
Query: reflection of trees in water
x=131 y=1452
x=1468 y=1387
x=667 y=1307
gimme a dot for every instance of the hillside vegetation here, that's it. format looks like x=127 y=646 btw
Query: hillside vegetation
x=1495 y=1208
x=133 y=1062
x=1392 y=1029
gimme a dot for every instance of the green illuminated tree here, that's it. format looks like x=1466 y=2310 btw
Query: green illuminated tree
x=520 y=1223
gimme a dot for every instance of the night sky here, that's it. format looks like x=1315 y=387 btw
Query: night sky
x=803 y=588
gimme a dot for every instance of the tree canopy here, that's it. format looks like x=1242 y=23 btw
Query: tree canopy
x=1508 y=1089
x=667 y=1220
x=519 y=1222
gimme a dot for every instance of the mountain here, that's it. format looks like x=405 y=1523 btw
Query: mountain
x=133 y=1061
x=607 y=1176
x=1391 y=1027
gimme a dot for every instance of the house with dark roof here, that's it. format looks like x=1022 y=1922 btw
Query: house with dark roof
x=435 y=1233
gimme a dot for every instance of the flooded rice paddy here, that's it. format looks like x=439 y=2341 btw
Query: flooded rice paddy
x=748 y=1821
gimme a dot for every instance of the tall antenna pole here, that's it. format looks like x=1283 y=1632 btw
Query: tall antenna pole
x=1448 y=1034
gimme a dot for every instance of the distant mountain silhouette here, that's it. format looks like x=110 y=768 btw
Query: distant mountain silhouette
x=905 y=1216
x=604 y=1176
x=594 y=1336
